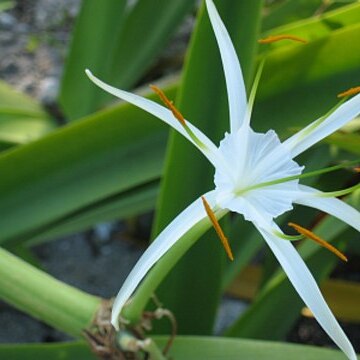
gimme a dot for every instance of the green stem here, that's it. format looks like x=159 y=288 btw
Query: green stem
x=133 y=311
x=152 y=349
x=40 y=295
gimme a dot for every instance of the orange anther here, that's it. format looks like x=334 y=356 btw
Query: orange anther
x=309 y=234
x=274 y=38
x=220 y=233
x=352 y=91
x=169 y=104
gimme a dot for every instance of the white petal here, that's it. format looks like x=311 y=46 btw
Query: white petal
x=265 y=160
x=312 y=134
x=233 y=75
x=160 y=112
x=333 y=206
x=306 y=286
x=190 y=217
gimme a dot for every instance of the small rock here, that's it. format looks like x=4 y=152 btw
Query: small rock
x=49 y=13
x=48 y=90
x=7 y=21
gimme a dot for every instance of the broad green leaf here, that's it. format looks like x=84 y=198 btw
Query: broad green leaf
x=258 y=321
x=94 y=39
x=301 y=83
x=184 y=348
x=146 y=31
x=55 y=351
x=187 y=174
x=293 y=10
x=76 y=167
x=316 y=27
x=22 y=119
x=128 y=203
x=118 y=45
x=203 y=348
x=348 y=142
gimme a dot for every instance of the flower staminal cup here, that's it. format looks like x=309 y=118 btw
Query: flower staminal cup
x=255 y=176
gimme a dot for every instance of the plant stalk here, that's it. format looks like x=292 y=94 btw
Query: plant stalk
x=44 y=297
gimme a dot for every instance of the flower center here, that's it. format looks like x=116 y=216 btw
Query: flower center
x=257 y=177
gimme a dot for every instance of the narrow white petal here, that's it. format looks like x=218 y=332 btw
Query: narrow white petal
x=191 y=216
x=306 y=286
x=312 y=134
x=160 y=112
x=333 y=206
x=233 y=74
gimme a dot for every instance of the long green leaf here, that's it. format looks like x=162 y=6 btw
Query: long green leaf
x=184 y=348
x=146 y=31
x=22 y=119
x=301 y=83
x=126 y=204
x=94 y=39
x=293 y=10
x=76 y=167
x=118 y=45
x=317 y=27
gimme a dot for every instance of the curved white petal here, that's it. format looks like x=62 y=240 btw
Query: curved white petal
x=191 y=216
x=333 y=206
x=160 y=112
x=233 y=75
x=306 y=286
x=313 y=133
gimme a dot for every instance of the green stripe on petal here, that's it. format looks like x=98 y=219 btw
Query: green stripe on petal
x=311 y=197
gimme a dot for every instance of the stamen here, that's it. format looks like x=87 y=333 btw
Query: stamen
x=357 y=169
x=309 y=234
x=217 y=228
x=352 y=91
x=272 y=39
x=169 y=104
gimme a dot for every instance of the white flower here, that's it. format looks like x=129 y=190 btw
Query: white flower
x=250 y=169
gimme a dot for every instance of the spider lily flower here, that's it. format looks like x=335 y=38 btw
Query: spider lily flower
x=255 y=176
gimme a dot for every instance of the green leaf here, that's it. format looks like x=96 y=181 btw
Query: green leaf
x=78 y=167
x=146 y=31
x=184 y=348
x=6 y=5
x=317 y=27
x=117 y=45
x=293 y=10
x=348 y=142
x=123 y=205
x=301 y=83
x=203 y=348
x=187 y=175
x=58 y=351
x=21 y=118
x=94 y=38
